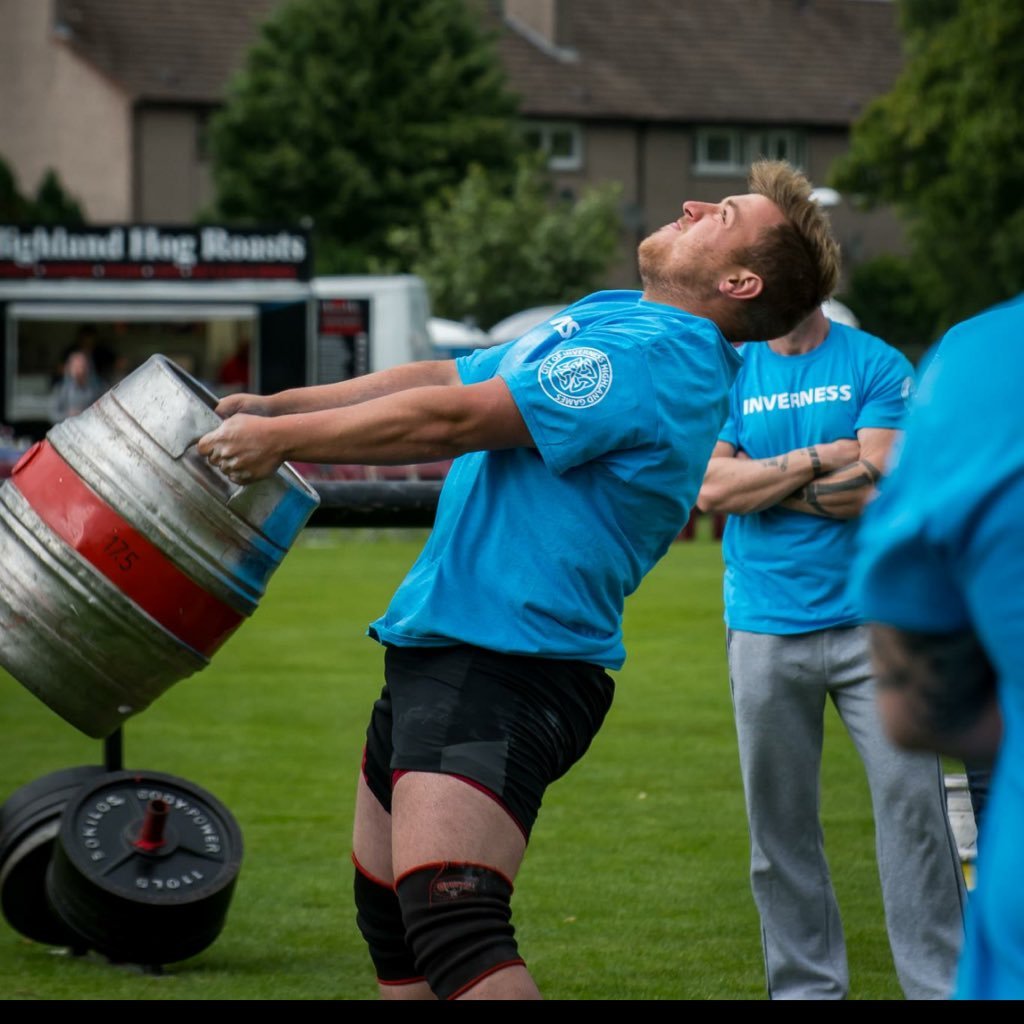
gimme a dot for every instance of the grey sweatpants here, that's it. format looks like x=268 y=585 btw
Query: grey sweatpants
x=779 y=686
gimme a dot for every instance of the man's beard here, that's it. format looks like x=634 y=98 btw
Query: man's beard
x=695 y=281
x=693 y=285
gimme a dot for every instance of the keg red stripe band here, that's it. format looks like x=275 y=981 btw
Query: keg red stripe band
x=143 y=573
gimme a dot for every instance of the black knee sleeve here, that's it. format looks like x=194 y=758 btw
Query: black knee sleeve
x=379 y=917
x=457 y=922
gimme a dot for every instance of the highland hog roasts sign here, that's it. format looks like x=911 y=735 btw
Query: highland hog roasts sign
x=151 y=252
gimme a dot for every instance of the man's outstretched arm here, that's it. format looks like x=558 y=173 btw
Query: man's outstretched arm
x=420 y=424
x=426 y=373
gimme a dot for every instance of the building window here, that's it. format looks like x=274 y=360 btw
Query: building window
x=775 y=144
x=733 y=150
x=561 y=142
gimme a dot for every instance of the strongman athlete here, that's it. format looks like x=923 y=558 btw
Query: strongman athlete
x=579 y=449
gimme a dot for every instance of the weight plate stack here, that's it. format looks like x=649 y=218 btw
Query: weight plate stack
x=29 y=822
x=144 y=867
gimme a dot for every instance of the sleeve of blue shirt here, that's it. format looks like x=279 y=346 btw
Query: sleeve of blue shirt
x=729 y=433
x=569 y=434
x=941 y=547
x=900 y=576
x=887 y=387
x=481 y=364
x=913 y=573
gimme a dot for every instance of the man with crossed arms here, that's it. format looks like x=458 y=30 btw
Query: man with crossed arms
x=812 y=417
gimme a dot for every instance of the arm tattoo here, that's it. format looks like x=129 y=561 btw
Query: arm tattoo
x=782 y=461
x=823 y=486
x=948 y=676
x=810 y=494
x=815 y=461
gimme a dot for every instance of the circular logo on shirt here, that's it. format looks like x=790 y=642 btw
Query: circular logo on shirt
x=576 y=377
x=907 y=390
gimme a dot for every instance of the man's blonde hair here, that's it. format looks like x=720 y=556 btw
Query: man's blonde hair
x=798 y=261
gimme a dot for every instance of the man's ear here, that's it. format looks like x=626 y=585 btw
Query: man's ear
x=741 y=284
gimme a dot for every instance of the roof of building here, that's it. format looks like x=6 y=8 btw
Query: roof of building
x=751 y=61
x=175 y=51
x=745 y=61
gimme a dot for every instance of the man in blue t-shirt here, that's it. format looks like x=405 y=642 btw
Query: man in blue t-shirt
x=812 y=418
x=578 y=451
x=939 y=574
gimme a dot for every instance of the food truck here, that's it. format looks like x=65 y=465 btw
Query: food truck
x=236 y=308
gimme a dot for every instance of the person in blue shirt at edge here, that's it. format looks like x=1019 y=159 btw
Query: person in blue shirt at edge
x=578 y=451
x=812 y=417
x=938 y=574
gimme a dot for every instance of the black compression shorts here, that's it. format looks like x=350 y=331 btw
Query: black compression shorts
x=511 y=724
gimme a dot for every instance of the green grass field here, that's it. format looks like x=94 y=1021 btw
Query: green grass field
x=635 y=883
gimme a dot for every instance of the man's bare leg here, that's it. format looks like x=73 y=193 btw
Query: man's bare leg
x=371 y=843
x=441 y=818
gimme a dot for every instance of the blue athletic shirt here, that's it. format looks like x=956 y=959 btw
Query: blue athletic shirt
x=533 y=551
x=942 y=549
x=786 y=571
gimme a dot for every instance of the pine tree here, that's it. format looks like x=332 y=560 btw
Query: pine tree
x=352 y=114
x=51 y=205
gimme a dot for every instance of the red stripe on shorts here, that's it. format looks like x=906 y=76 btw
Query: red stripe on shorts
x=143 y=573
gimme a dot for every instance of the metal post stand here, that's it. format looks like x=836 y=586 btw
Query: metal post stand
x=113 y=750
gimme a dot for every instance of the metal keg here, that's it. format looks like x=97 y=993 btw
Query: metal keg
x=128 y=559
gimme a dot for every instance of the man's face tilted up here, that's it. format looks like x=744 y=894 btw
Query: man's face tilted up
x=694 y=257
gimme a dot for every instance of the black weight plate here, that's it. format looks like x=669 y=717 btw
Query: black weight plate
x=144 y=907
x=29 y=822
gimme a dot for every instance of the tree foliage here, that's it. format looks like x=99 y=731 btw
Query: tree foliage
x=352 y=114
x=946 y=147
x=487 y=251
x=53 y=205
x=885 y=295
x=50 y=205
x=13 y=205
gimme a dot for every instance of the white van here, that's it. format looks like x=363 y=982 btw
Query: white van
x=366 y=323
x=231 y=334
